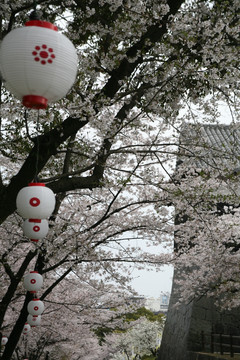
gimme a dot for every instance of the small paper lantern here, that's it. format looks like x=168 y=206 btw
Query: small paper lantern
x=34 y=320
x=35 y=307
x=4 y=340
x=35 y=229
x=38 y=63
x=35 y=201
x=33 y=281
x=26 y=328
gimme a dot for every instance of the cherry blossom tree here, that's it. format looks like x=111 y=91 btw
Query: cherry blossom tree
x=107 y=150
x=141 y=339
x=207 y=226
x=71 y=314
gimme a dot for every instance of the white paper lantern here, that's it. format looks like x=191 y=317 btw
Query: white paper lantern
x=35 y=229
x=4 y=340
x=33 y=281
x=35 y=201
x=26 y=329
x=34 y=320
x=35 y=307
x=38 y=63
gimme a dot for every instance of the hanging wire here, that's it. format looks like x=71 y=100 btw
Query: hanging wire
x=37 y=149
x=25 y=339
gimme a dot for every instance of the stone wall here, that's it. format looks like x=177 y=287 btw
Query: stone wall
x=184 y=324
x=177 y=327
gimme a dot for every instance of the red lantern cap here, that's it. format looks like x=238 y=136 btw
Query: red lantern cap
x=35 y=221
x=41 y=23
x=34 y=101
x=36 y=184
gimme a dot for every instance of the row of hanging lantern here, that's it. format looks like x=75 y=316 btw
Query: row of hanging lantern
x=33 y=282
x=39 y=66
x=34 y=203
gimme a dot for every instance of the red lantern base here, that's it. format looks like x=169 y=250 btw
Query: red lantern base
x=34 y=101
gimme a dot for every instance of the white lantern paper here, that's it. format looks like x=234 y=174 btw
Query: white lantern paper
x=35 y=201
x=38 y=63
x=34 y=320
x=33 y=281
x=4 y=340
x=26 y=328
x=35 y=229
x=35 y=307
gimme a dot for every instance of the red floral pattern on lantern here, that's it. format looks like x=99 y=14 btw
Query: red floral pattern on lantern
x=36 y=308
x=33 y=281
x=43 y=54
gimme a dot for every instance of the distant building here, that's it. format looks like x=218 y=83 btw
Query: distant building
x=164 y=302
x=159 y=304
x=152 y=304
x=136 y=300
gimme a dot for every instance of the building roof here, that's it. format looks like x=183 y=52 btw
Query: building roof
x=210 y=145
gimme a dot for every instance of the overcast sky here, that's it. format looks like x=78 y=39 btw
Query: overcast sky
x=152 y=283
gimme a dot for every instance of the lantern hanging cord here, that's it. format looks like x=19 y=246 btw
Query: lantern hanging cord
x=37 y=152
x=26 y=347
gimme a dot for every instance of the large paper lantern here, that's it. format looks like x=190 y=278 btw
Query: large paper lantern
x=38 y=63
x=33 y=281
x=35 y=201
x=35 y=229
x=34 y=320
x=4 y=340
x=35 y=307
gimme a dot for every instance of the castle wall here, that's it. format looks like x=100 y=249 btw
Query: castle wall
x=185 y=323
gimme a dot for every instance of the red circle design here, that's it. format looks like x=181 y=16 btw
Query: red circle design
x=33 y=281
x=36 y=308
x=43 y=54
x=34 y=201
x=36 y=59
x=36 y=228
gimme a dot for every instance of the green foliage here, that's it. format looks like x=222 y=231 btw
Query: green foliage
x=102 y=331
x=143 y=312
